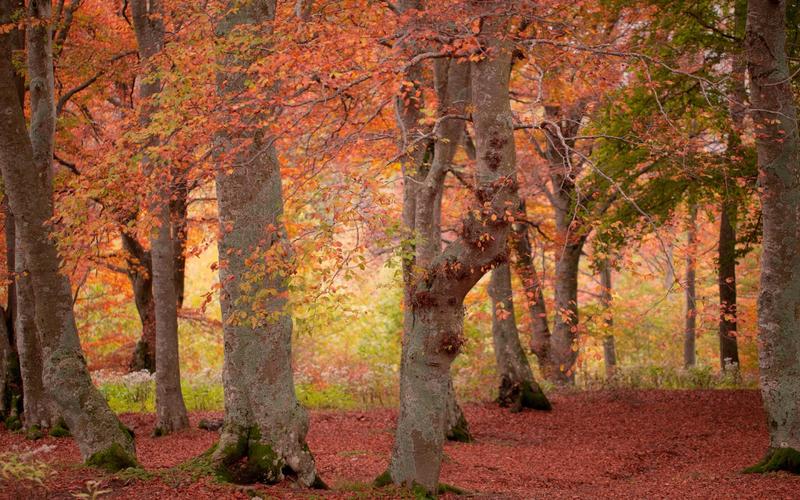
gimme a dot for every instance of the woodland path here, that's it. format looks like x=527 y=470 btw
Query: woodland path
x=611 y=444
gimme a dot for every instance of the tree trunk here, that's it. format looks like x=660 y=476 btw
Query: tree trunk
x=518 y=389
x=170 y=409
x=777 y=143
x=690 y=316
x=564 y=348
x=139 y=273
x=11 y=396
x=532 y=286
x=263 y=437
x=101 y=438
x=728 y=348
x=606 y=298
x=563 y=127
x=38 y=409
x=436 y=302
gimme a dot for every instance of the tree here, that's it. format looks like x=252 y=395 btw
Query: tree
x=690 y=292
x=778 y=146
x=265 y=427
x=518 y=389
x=101 y=438
x=606 y=299
x=170 y=409
x=441 y=282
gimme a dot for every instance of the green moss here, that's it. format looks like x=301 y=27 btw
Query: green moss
x=534 y=398
x=460 y=431
x=127 y=431
x=449 y=488
x=60 y=429
x=422 y=493
x=385 y=479
x=781 y=459
x=249 y=460
x=34 y=432
x=13 y=423
x=112 y=459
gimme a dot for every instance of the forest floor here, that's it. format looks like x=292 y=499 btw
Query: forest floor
x=610 y=444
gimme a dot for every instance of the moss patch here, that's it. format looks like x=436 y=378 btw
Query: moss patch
x=249 y=460
x=34 y=432
x=13 y=423
x=781 y=459
x=460 y=431
x=112 y=459
x=533 y=398
x=385 y=479
x=60 y=429
x=445 y=488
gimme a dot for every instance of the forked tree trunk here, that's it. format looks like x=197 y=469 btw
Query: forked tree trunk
x=437 y=307
x=263 y=437
x=728 y=347
x=777 y=143
x=690 y=293
x=170 y=409
x=518 y=389
x=101 y=438
x=606 y=298
x=560 y=131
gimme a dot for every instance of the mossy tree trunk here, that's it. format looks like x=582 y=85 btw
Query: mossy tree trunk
x=690 y=291
x=442 y=280
x=171 y=413
x=518 y=389
x=263 y=437
x=778 y=149
x=100 y=437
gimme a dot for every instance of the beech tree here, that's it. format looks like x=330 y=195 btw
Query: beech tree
x=101 y=438
x=441 y=282
x=263 y=437
x=170 y=409
x=518 y=389
x=778 y=146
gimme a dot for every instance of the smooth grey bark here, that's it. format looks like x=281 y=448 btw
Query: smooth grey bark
x=690 y=292
x=532 y=287
x=518 y=389
x=99 y=434
x=38 y=409
x=264 y=433
x=606 y=299
x=726 y=273
x=451 y=84
x=777 y=142
x=171 y=413
x=437 y=312
x=561 y=129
